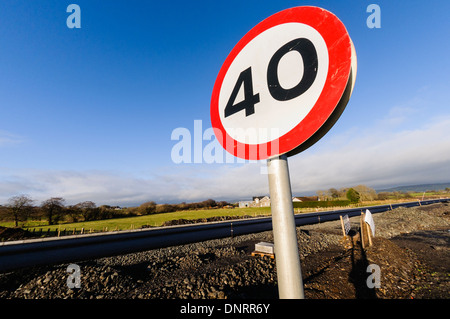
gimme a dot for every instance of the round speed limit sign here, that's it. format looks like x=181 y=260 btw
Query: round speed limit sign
x=284 y=84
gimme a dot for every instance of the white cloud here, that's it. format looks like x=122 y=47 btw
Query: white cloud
x=379 y=158
x=7 y=138
x=375 y=156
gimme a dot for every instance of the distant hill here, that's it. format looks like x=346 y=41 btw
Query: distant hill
x=416 y=188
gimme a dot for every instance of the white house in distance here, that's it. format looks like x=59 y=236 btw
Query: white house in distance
x=305 y=199
x=258 y=201
x=245 y=203
x=261 y=201
x=264 y=201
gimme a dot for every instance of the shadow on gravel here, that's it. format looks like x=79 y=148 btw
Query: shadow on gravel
x=255 y=292
x=358 y=275
x=431 y=246
x=136 y=271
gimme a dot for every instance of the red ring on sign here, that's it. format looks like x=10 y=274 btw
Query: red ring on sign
x=338 y=43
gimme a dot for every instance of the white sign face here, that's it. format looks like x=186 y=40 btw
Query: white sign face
x=277 y=117
x=368 y=219
x=347 y=225
x=284 y=84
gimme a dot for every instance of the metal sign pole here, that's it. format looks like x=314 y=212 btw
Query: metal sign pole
x=289 y=275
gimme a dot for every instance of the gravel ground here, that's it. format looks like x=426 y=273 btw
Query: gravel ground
x=224 y=268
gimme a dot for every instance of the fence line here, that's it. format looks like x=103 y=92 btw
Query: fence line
x=48 y=232
x=42 y=232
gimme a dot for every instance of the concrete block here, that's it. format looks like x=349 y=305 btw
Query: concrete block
x=264 y=247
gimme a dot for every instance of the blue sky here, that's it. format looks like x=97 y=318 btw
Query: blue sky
x=87 y=114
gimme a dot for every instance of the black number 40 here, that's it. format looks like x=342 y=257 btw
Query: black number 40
x=310 y=66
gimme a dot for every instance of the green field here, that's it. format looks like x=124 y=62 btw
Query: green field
x=147 y=220
x=155 y=220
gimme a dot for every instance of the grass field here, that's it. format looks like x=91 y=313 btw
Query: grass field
x=154 y=220
x=147 y=220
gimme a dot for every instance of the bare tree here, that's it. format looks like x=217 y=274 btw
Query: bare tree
x=87 y=209
x=321 y=194
x=334 y=193
x=20 y=207
x=53 y=208
x=366 y=192
x=149 y=207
